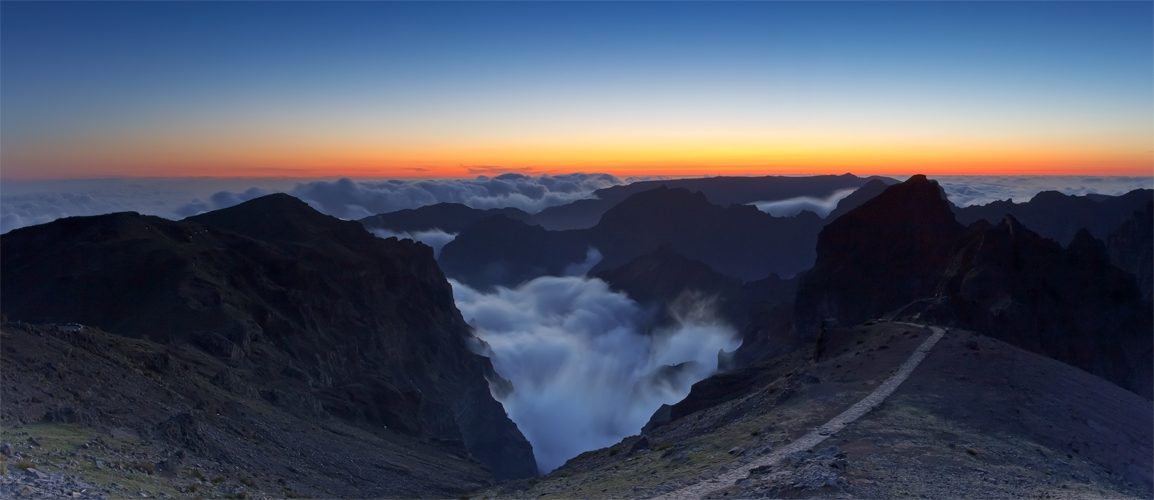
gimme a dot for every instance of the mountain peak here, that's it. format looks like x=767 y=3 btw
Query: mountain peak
x=278 y=216
x=901 y=238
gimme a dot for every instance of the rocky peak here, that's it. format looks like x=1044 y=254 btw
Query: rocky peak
x=280 y=217
x=877 y=257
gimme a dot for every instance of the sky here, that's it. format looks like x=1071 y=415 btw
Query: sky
x=378 y=90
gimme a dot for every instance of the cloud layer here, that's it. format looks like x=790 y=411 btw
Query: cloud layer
x=980 y=190
x=349 y=199
x=584 y=372
x=24 y=203
x=792 y=206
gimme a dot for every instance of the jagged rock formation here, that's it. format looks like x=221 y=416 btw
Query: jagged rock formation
x=309 y=311
x=903 y=251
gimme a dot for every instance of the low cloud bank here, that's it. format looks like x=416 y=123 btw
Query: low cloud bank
x=966 y=190
x=434 y=238
x=584 y=372
x=350 y=199
x=24 y=203
x=792 y=206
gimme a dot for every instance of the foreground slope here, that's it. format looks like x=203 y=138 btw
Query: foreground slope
x=314 y=314
x=978 y=418
x=128 y=416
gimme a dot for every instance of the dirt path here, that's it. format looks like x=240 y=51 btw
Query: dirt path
x=819 y=434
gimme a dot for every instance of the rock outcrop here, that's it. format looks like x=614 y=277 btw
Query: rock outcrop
x=902 y=254
x=879 y=256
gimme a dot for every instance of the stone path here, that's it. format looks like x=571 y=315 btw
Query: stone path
x=819 y=434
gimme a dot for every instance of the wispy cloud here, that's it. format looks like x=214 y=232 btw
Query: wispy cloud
x=792 y=206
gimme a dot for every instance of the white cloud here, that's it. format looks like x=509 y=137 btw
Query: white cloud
x=584 y=372
x=792 y=206
x=350 y=199
x=966 y=190
x=434 y=237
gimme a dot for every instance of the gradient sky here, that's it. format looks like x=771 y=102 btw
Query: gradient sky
x=371 y=89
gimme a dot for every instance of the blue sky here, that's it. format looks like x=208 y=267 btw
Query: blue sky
x=370 y=89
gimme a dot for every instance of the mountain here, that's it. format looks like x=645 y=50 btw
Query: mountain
x=879 y=256
x=1060 y=216
x=502 y=251
x=1071 y=304
x=722 y=191
x=738 y=240
x=1131 y=248
x=903 y=254
x=855 y=199
x=310 y=310
x=448 y=217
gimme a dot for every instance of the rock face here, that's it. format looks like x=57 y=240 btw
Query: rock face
x=1131 y=248
x=1070 y=304
x=305 y=307
x=879 y=256
x=902 y=253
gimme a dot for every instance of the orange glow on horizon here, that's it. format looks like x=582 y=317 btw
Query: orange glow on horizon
x=305 y=161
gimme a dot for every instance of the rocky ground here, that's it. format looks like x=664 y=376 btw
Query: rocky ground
x=978 y=419
x=91 y=413
x=85 y=417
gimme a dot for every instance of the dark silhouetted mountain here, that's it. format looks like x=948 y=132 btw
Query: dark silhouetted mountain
x=761 y=310
x=718 y=190
x=767 y=332
x=1059 y=216
x=737 y=240
x=902 y=253
x=501 y=251
x=448 y=217
x=664 y=274
x=1071 y=304
x=1131 y=248
x=855 y=199
x=879 y=256
x=300 y=304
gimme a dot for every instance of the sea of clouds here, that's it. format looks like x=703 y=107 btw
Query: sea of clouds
x=24 y=203
x=28 y=203
x=585 y=365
